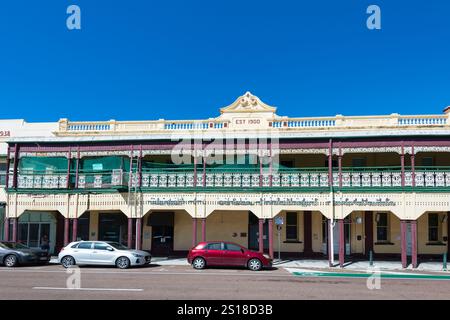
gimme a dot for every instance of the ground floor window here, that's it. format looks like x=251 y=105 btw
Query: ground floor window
x=382 y=226
x=291 y=226
x=433 y=227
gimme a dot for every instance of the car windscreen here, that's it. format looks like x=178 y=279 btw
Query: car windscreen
x=118 y=246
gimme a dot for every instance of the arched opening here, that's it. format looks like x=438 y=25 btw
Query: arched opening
x=167 y=232
x=36 y=228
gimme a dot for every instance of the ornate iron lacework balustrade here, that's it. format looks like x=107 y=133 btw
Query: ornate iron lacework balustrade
x=438 y=177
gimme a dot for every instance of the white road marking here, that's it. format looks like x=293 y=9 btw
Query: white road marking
x=191 y=272
x=86 y=289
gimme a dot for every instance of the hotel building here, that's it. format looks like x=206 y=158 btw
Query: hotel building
x=339 y=187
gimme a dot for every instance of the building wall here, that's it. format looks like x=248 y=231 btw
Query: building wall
x=317 y=236
x=394 y=236
x=285 y=246
x=228 y=226
x=357 y=232
x=422 y=235
x=93 y=225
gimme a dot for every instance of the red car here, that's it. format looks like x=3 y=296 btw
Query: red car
x=221 y=253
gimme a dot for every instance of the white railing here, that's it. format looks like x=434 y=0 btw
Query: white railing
x=281 y=123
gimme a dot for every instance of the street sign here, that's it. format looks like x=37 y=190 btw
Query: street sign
x=279 y=221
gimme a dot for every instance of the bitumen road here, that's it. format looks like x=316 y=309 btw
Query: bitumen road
x=53 y=282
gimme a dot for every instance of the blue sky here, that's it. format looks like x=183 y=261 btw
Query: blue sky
x=180 y=59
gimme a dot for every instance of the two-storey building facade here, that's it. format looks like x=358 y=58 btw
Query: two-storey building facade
x=343 y=186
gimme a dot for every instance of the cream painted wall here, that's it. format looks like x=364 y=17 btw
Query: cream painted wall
x=93 y=225
x=289 y=247
x=221 y=225
x=357 y=229
x=422 y=235
x=317 y=236
x=394 y=235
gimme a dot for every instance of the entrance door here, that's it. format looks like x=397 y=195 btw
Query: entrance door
x=325 y=231
x=162 y=240
x=162 y=232
x=113 y=227
x=253 y=233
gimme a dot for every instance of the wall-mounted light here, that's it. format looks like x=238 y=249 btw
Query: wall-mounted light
x=358 y=220
x=377 y=217
x=444 y=218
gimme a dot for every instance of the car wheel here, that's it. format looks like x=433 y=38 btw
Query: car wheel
x=199 y=263
x=254 y=265
x=67 y=261
x=10 y=261
x=122 y=262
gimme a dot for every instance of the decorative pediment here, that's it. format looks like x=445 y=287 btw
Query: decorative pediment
x=248 y=103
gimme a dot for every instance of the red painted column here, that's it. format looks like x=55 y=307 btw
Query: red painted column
x=194 y=232
x=329 y=243
x=130 y=233
x=195 y=171
x=261 y=235
x=15 y=165
x=66 y=231
x=260 y=172
x=6 y=229
x=340 y=170
x=270 y=171
x=77 y=169
x=341 y=243
x=402 y=164
x=69 y=156
x=138 y=233
x=403 y=242
x=203 y=229
x=74 y=229
x=413 y=167
x=330 y=163
x=204 y=172
x=7 y=168
x=14 y=229
x=271 y=238
x=414 y=243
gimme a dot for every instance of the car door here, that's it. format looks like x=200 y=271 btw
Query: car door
x=213 y=253
x=234 y=255
x=102 y=253
x=83 y=252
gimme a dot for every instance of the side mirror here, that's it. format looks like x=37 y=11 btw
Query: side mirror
x=242 y=250
x=109 y=249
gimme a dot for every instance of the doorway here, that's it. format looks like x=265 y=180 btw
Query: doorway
x=253 y=232
x=325 y=231
x=113 y=227
x=162 y=224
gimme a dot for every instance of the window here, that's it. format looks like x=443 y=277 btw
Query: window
x=433 y=227
x=359 y=162
x=214 y=246
x=382 y=226
x=100 y=246
x=427 y=162
x=232 y=247
x=85 y=245
x=291 y=226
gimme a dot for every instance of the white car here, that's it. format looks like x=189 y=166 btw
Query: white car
x=101 y=253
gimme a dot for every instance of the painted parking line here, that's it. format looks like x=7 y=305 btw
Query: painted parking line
x=368 y=274
x=86 y=289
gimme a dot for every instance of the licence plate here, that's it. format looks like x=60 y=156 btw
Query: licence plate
x=43 y=258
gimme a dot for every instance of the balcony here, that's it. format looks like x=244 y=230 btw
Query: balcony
x=305 y=179
x=107 y=179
